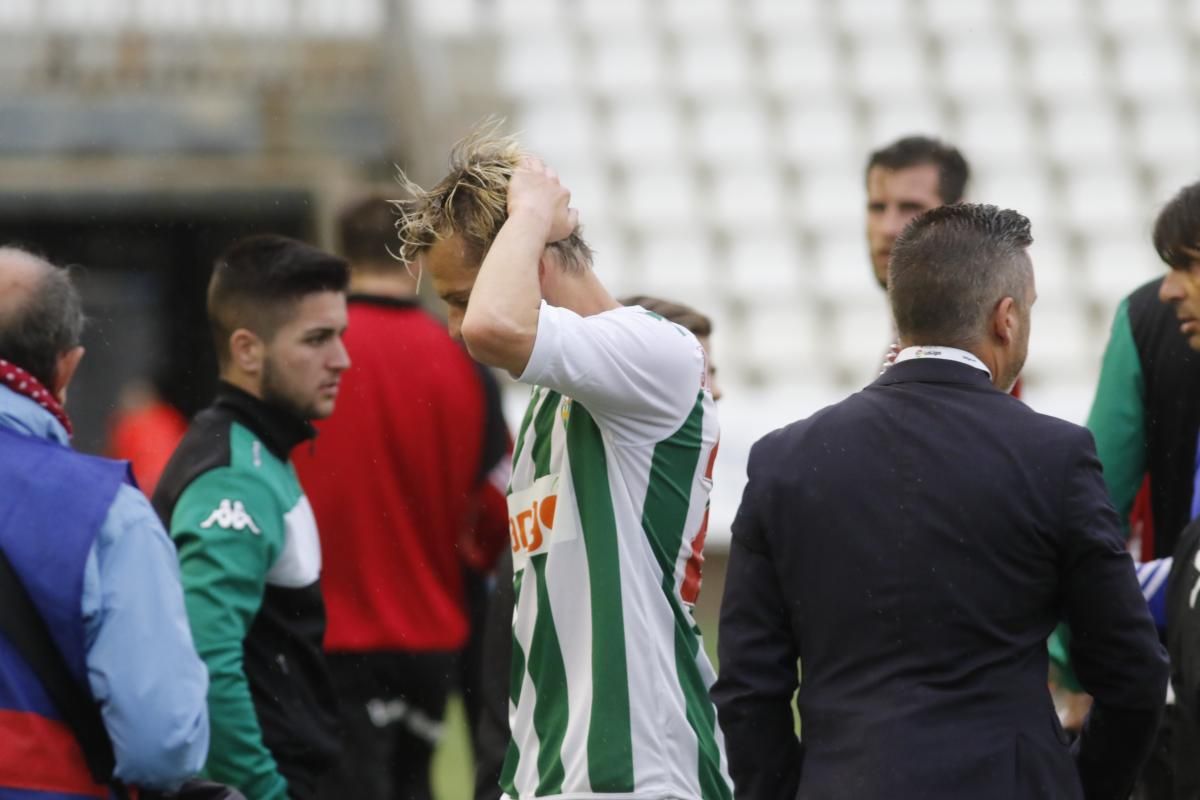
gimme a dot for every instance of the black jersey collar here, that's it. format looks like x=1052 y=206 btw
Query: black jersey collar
x=279 y=430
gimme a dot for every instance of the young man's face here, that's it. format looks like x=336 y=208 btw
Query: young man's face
x=1181 y=290
x=453 y=271
x=713 y=386
x=894 y=198
x=305 y=358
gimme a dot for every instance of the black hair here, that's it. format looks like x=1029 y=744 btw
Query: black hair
x=1178 y=227
x=257 y=280
x=915 y=151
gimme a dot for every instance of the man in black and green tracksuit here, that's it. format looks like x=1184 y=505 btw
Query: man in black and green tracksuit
x=249 y=553
x=250 y=559
x=1146 y=414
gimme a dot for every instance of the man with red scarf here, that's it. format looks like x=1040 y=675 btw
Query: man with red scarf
x=96 y=564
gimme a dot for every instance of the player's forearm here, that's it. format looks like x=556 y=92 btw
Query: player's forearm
x=501 y=320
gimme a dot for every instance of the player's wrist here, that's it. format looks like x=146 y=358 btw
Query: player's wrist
x=533 y=221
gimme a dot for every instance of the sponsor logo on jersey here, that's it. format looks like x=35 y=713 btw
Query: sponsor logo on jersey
x=231 y=515
x=534 y=521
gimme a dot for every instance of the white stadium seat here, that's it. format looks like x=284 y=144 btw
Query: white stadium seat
x=746 y=200
x=733 y=133
x=888 y=66
x=831 y=201
x=534 y=66
x=1122 y=17
x=1168 y=136
x=818 y=133
x=1116 y=265
x=1026 y=189
x=627 y=65
x=978 y=65
x=1050 y=17
x=1152 y=67
x=713 y=65
x=559 y=130
x=765 y=265
x=646 y=131
x=802 y=65
x=884 y=17
x=1066 y=66
x=999 y=132
x=1082 y=134
x=610 y=17
x=677 y=266
x=953 y=18
x=776 y=337
x=1098 y=198
x=657 y=198
x=842 y=268
x=891 y=120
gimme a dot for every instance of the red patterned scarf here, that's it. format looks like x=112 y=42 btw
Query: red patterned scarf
x=23 y=383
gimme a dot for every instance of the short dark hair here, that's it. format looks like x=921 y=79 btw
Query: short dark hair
x=699 y=324
x=367 y=233
x=258 y=279
x=951 y=266
x=48 y=323
x=1178 y=227
x=915 y=151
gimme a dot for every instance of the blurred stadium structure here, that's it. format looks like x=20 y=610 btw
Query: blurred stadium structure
x=715 y=148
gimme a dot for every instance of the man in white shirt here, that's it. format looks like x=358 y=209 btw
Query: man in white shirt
x=609 y=494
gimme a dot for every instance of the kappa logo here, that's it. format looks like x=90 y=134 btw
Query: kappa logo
x=231 y=514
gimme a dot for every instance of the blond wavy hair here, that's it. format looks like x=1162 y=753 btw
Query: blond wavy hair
x=471 y=201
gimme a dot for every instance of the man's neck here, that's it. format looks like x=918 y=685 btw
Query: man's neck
x=397 y=286
x=584 y=294
x=247 y=383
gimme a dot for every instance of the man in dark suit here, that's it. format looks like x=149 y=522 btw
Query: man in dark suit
x=914 y=545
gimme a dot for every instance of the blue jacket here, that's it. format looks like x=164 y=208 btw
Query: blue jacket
x=141 y=665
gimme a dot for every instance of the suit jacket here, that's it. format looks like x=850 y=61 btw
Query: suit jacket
x=913 y=547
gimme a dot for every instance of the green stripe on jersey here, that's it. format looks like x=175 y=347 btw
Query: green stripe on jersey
x=669 y=491
x=610 y=736
x=549 y=675
x=543 y=433
x=700 y=713
x=521 y=431
x=512 y=757
x=668 y=497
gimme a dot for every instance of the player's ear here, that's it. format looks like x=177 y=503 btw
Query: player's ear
x=247 y=351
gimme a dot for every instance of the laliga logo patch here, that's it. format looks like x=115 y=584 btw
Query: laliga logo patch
x=231 y=515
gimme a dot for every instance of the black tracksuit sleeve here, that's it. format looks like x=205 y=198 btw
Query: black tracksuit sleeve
x=758 y=674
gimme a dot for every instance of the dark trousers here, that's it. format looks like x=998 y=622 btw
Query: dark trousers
x=392 y=707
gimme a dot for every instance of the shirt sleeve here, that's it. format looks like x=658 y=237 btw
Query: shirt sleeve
x=1114 y=646
x=1117 y=419
x=758 y=654
x=228 y=528
x=630 y=368
x=142 y=665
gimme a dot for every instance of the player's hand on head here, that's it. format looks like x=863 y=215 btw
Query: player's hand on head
x=535 y=191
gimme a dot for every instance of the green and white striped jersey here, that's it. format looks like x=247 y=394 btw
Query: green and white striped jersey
x=608 y=506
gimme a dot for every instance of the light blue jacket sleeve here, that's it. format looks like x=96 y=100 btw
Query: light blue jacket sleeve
x=142 y=665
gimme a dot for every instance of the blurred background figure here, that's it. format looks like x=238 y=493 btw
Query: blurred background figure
x=398 y=480
x=144 y=430
x=904 y=179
